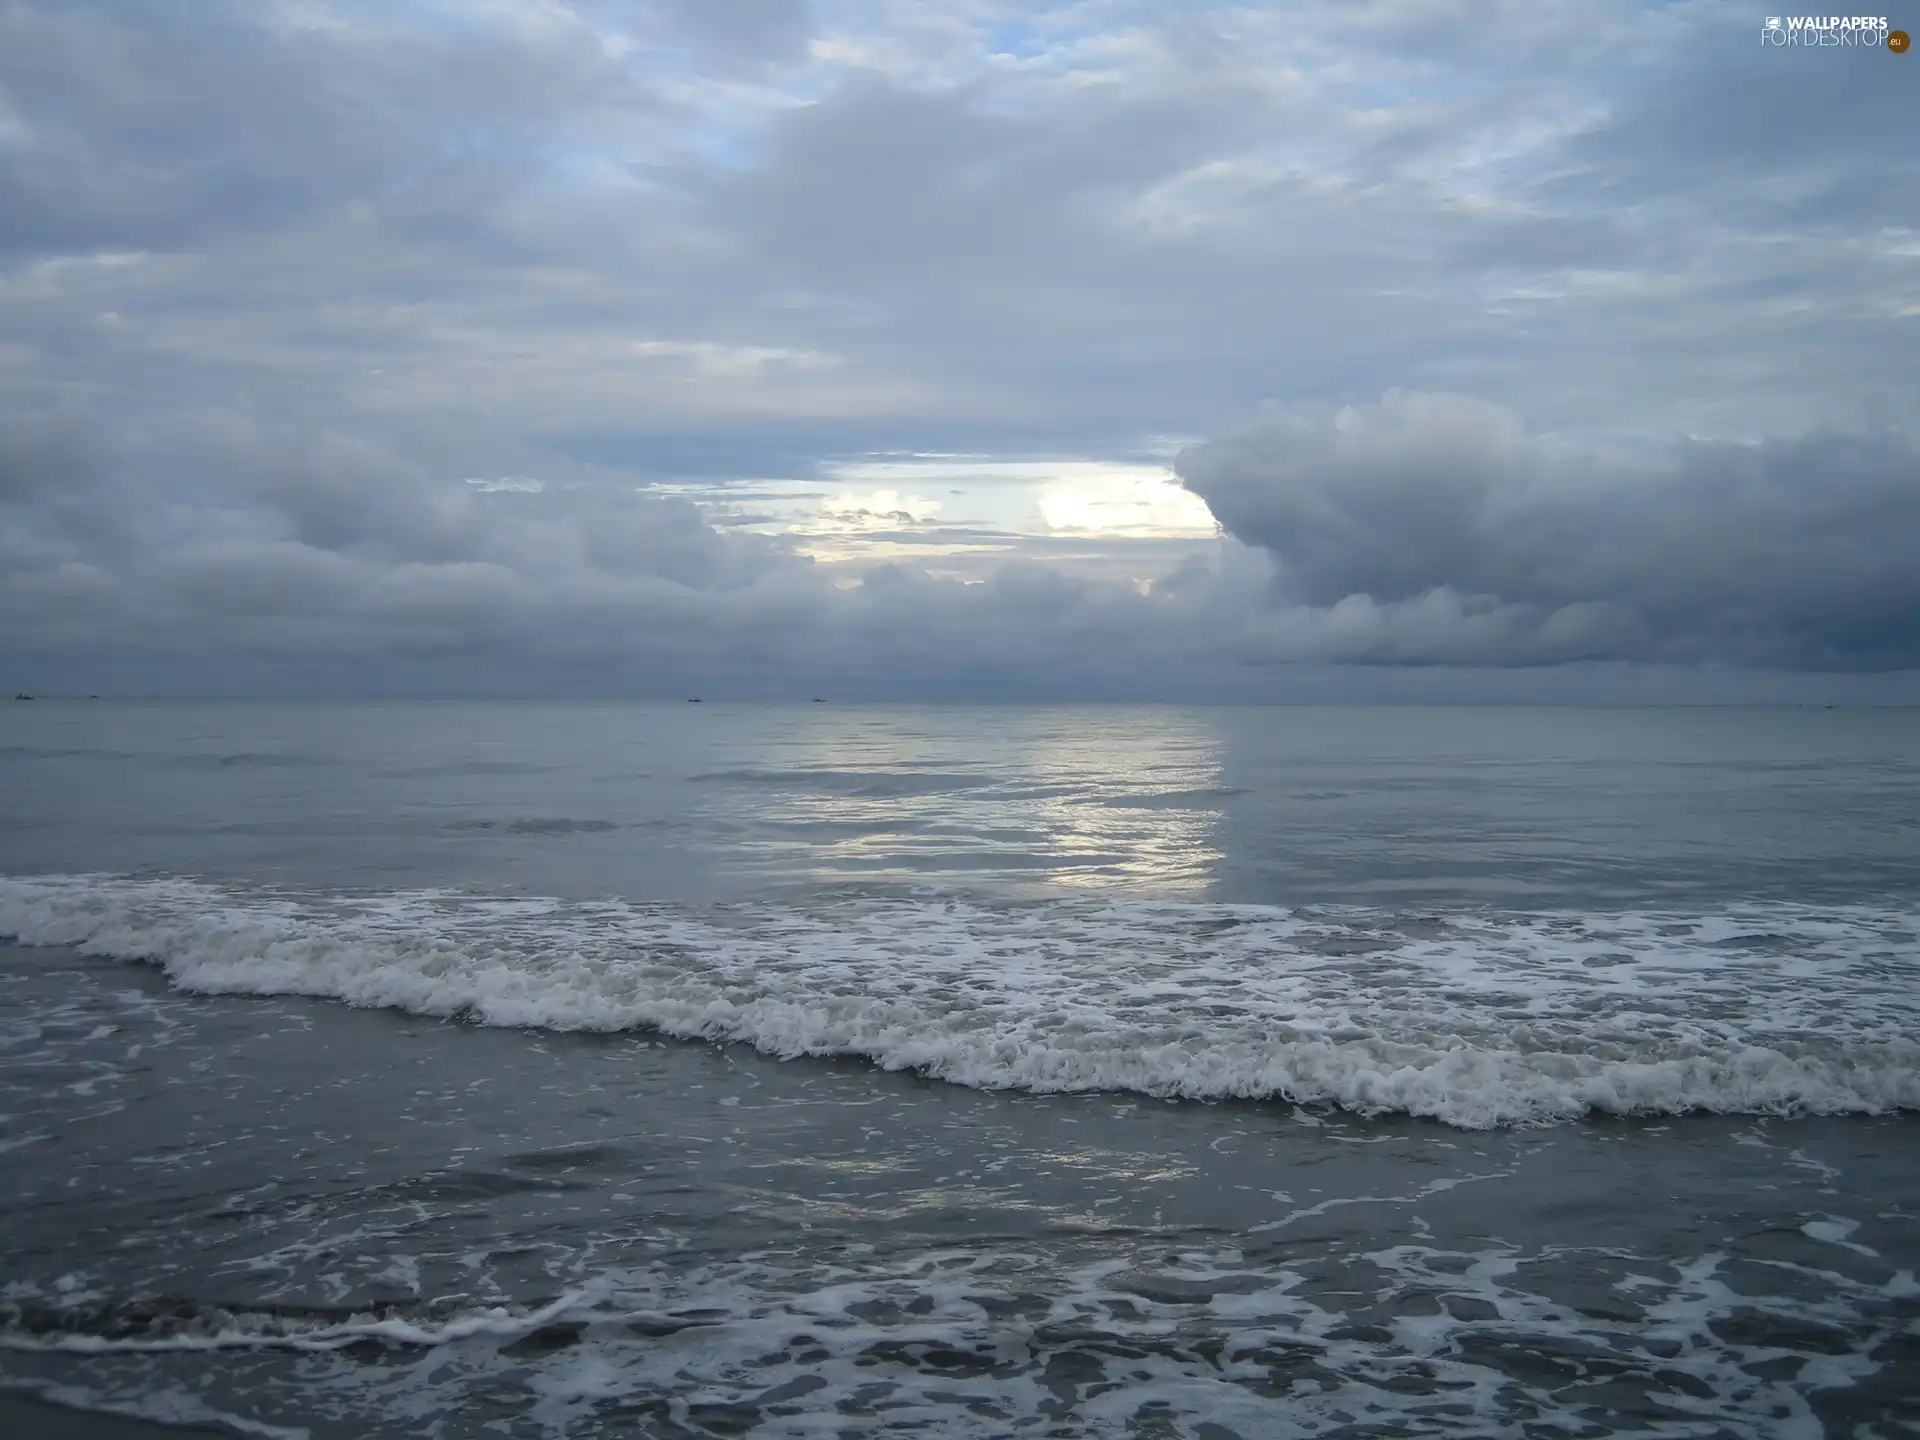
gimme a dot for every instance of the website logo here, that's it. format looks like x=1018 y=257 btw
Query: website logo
x=1828 y=31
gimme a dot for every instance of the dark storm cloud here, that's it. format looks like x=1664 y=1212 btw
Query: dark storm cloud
x=1429 y=528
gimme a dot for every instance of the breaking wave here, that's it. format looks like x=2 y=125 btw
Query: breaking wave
x=1473 y=1019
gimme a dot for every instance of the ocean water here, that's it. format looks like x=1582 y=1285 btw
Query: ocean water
x=818 y=1070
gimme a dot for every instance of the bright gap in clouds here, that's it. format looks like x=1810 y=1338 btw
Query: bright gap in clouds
x=1136 y=501
x=961 y=515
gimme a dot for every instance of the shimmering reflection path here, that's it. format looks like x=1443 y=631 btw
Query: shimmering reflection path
x=1075 y=798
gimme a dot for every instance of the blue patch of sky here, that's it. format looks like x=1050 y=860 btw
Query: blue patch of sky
x=1020 y=39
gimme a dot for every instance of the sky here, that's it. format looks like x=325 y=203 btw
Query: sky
x=1452 y=349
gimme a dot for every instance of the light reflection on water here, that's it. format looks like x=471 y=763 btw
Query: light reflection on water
x=683 y=804
x=1083 y=799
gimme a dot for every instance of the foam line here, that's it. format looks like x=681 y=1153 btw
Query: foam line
x=1477 y=1020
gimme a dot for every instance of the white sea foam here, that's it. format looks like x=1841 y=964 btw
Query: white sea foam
x=1477 y=1020
x=990 y=1341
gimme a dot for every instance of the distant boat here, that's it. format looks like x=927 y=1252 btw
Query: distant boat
x=818 y=701
x=23 y=696
x=693 y=700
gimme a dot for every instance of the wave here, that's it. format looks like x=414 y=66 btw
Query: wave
x=1203 y=799
x=192 y=761
x=539 y=825
x=467 y=767
x=157 y=1325
x=43 y=752
x=1477 y=1020
x=269 y=760
x=865 y=784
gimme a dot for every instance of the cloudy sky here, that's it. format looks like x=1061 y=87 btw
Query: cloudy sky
x=1156 y=347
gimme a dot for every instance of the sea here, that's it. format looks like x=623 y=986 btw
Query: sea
x=843 y=1070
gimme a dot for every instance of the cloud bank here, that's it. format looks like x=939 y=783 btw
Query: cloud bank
x=280 y=278
x=1429 y=528
x=1423 y=530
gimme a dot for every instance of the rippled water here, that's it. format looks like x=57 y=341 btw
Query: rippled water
x=795 y=1070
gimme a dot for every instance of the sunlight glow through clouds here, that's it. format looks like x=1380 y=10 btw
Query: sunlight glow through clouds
x=1043 y=497
x=926 y=507
x=1131 y=500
